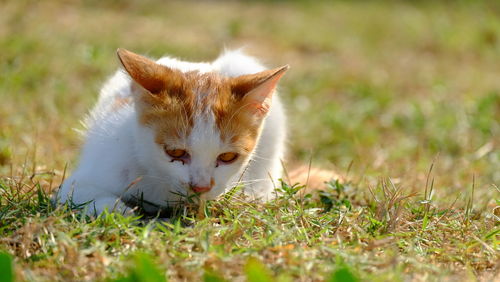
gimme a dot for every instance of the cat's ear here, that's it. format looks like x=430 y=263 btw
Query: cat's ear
x=145 y=72
x=256 y=90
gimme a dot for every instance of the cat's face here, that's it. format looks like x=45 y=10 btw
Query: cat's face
x=203 y=127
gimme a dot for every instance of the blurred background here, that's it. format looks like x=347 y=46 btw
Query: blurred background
x=376 y=88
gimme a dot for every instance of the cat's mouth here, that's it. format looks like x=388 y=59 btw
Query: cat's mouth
x=201 y=195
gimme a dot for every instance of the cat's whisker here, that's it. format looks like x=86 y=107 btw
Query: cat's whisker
x=226 y=124
x=155 y=177
x=249 y=181
x=257 y=157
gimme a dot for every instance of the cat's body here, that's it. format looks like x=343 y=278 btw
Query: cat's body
x=175 y=130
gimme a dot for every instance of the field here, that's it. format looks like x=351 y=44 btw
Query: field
x=401 y=99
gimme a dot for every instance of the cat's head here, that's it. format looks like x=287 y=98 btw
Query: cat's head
x=203 y=126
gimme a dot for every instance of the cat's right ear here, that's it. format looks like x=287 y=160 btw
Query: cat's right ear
x=145 y=72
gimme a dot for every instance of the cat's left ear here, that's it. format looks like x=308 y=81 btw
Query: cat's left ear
x=256 y=90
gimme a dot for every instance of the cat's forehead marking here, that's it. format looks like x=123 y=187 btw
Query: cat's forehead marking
x=216 y=99
x=196 y=95
x=170 y=114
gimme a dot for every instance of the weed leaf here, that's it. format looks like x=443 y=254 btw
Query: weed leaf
x=343 y=274
x=256 y=271
x=6 y=266
x=143 y=270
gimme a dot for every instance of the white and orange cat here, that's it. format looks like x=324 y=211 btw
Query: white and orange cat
x=164 y=130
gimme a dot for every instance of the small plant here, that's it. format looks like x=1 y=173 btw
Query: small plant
x=334 y=197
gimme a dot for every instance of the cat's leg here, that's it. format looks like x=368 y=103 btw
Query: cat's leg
x=260 y=180
x=264 y=171
x=94 y=198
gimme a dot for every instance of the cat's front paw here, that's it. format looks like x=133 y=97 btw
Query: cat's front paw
x=111 y=204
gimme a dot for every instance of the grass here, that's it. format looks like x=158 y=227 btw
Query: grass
x=403 y=99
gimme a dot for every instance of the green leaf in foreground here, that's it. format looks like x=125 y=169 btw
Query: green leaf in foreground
x=211 y=276
x=343 y=274
x=256 y=271
x=143 y=270
x=6 y=266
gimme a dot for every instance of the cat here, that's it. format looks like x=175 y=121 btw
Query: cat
x=161 y=131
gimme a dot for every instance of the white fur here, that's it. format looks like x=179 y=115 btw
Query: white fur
x=119 y=151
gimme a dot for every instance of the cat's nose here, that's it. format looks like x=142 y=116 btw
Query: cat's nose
x=201 y=189
x=201 y=186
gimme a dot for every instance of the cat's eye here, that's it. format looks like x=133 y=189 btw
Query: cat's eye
x=227 y=158
x=176 y=153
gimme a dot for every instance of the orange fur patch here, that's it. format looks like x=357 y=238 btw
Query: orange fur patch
x=171 y=112
x=173 y=99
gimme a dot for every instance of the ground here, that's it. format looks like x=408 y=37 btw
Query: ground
x=401 y=99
